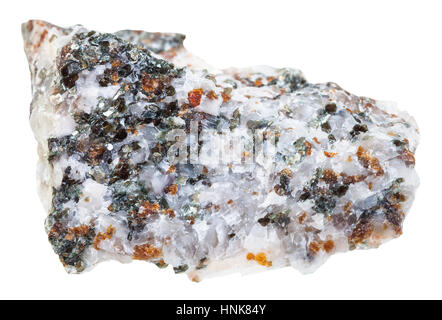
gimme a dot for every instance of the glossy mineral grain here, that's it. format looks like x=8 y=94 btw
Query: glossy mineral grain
x=103 y=104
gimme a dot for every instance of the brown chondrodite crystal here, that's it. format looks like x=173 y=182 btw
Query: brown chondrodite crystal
x=147 y=153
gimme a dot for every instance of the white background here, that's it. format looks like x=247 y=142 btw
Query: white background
x=387 y=50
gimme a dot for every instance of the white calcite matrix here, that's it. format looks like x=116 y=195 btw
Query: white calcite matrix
x=308 y=170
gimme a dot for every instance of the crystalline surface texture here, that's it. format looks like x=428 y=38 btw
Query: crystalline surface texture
x=342 y=176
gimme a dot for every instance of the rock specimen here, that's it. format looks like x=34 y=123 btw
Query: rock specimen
x=147 y=153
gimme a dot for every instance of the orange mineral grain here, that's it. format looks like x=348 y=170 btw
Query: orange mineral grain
x=194 y=97
x=330 y=154
x=260 y=258
x=149 y=208
x=250 y=256
x=226 y=96
x=146 y=252
x=212 y=95
x=172 y=189
x=329 y=246
x=103 y=236
x=368 y=161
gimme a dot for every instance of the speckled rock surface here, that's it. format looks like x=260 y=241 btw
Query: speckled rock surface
x=148 y=153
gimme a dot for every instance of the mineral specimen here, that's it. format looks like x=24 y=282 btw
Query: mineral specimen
x=147 y=153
